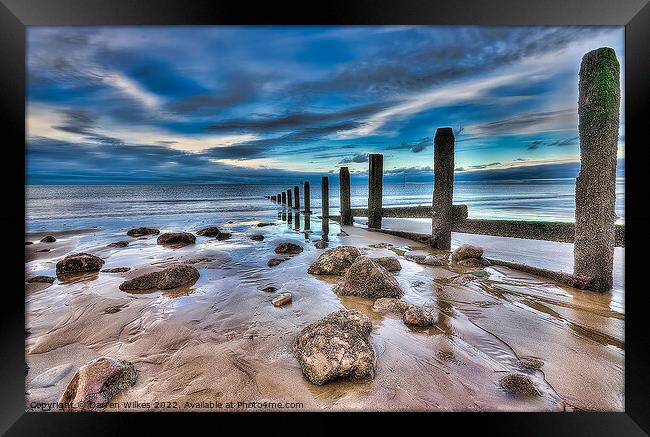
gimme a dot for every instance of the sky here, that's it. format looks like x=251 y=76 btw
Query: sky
x=258 y=104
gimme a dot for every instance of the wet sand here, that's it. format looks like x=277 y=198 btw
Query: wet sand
x=221 y=340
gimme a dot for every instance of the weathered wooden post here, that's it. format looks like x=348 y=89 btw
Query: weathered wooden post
x=598 y=119
x=279 y=197
x=284 y=198
x=344 y=193
x=325 y=228
x=375 y=182
x=297 y=221
x=306 y=195
x=307 y=224
x=289 y=197
x=443 y=188
x=325 y=197
x=296 y=195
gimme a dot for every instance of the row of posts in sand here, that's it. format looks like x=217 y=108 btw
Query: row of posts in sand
x=598 y=113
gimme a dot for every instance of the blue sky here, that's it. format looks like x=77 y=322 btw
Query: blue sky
x=253 y=104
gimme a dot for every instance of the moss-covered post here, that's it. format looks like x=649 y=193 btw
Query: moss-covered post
x=306 y=193
x=325 y=197
x=289 y=197
x=296 y=197
x=598 y=118
x=284 y=198
x=344 y=193
x=375 y=182
x=443 y=188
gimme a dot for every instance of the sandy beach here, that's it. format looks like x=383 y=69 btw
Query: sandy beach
x=221 y=340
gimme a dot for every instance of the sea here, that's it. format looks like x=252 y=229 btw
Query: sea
x=62 y=207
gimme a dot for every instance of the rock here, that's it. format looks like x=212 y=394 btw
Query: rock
x=321 y=244
x=428 y=260
x=530 y=363
x=480 y=273
x=48 y=239
x=463 y=279
x=257 y=237
x=263 y=224
x=119 y=244
x=117 y=270
x=210 y=231
x=282 y=299
x=141 y=232
x=336 y=346
x=79 y=262
x=176 y=239
x=166 y=279
x=224 y=236
x=390 y=305
x=390 y=263
x=269 y=289
x=43 y=250
x=43 y=279
x=474 y=262
x=334 y=261
x=27 y=243
x=519 y=384
x=288 y=248
x=274 y=262
x=466 y=251
x=366 y=278
x=96 y=383
x=418 y=316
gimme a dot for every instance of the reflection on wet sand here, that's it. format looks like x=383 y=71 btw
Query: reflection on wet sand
x=222 y=339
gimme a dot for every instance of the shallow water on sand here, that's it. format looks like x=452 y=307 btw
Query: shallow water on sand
x=222 y=340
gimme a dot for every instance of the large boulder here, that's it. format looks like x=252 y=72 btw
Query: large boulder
x=79 y=262
x=176 y=239
x=366 y=278
x=166 y=279
x=390 y=263
x=466 y=251
x=96 y=383
x=142 y=231
x=288 y=248
x=210 y=231
x=418 y=316
x=334 y=261
x=337 y=346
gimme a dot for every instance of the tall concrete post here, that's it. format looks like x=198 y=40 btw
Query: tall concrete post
x=375 y=182
x=325 y=197
x=284 y=198
x=296 y=197
x=306 y=195
x=289 y=197
x=344 y=193
x=598 y=119
x=443 y=188
x=279 y=197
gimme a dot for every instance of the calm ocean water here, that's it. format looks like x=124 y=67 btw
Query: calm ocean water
x=56 y=207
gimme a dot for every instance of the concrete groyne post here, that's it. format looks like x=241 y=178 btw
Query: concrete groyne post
x=443 y=188
x=296 y=225
x=599 y=101
x=307 y=197
x=325 y=197
x=296 y=197
x=284 y=198
x=344 y=193
x=289 y=197
x=279 y=197
x=375 y=182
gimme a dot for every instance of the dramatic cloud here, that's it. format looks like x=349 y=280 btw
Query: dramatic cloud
x=233 y=103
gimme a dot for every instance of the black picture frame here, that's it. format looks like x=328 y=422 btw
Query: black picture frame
x=15 y=15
